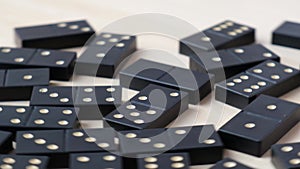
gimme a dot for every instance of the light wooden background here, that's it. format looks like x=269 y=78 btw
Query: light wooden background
x=264 y=15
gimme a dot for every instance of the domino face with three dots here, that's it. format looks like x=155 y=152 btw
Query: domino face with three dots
x=286 y=156
x=104 y=54
x=54 y=36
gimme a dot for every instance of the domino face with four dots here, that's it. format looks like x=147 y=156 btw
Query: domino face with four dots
x=286 y=156
x=22 y=161
x=229 y=163
x=228 y=62
x=48 y=142
x=90 y=160
x=60 y=63
x=17 y=84
x=164 y=161
x=258 y=126
x=55 y=35
x=269 y=77
x=104 y=54
x=287 y=34
x=148 y=109
x=224 y=35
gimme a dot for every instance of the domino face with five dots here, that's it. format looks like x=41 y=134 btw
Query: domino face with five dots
x=229 y=163
x=92 y=160
x=269 y=77
x=287 y=34
x=22 y=161
x=54 y=36
x=259 y=125
x=60 y=63
x=221 y=36
x=286 y=156
x=17 y=84
x=228 y=62
x=6 y=139
x=164 y=161
x=104 y=54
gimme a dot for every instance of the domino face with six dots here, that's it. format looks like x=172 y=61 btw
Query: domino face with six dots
x=229 y=163
x=286 y=156
x=90 y=160
x=60 y=63
x=104 y=54
x=259 y=125
x=269 y=77
x=17 y=84
x=54 y=36
x=164 y=161
x=22 y=161
x=233 y=60
x=224 y=35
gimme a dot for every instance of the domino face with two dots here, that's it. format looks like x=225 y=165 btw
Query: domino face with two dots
x=164 y=161
x=228 y=62
x=47 y=143
x=6 y=139
x=143 y=72
x=88 y=99
x=203 y=143
x=104 y=54
x=60 y=63
x=90 y=140
x=92 y=160
x=154 y=107
x=55 y=35
x=286 y=156
x=258 y=126
x=221 y=36
x=269 y=77
x=287 y=34
x=22 y=161
x=229 y=163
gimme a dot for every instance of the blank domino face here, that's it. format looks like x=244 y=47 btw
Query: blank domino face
x=287 y=34
x=55 y=35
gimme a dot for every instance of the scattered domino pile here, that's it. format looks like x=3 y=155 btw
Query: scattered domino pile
x=48 y=134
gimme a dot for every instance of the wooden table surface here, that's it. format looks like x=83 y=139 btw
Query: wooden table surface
x=265 y=16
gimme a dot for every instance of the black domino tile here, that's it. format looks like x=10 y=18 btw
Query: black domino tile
x=287 y=34
x=92 y=160
x=203 y=143
x=61 y=63
x=55 y=35
x=47 y=143
x=90 y=140
x=104 y=54
x=286 y=156
x=224 y=35
x=15 y=57
x=230 y=163
x=164 y=161
x=141 y=73
x=22 y=161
